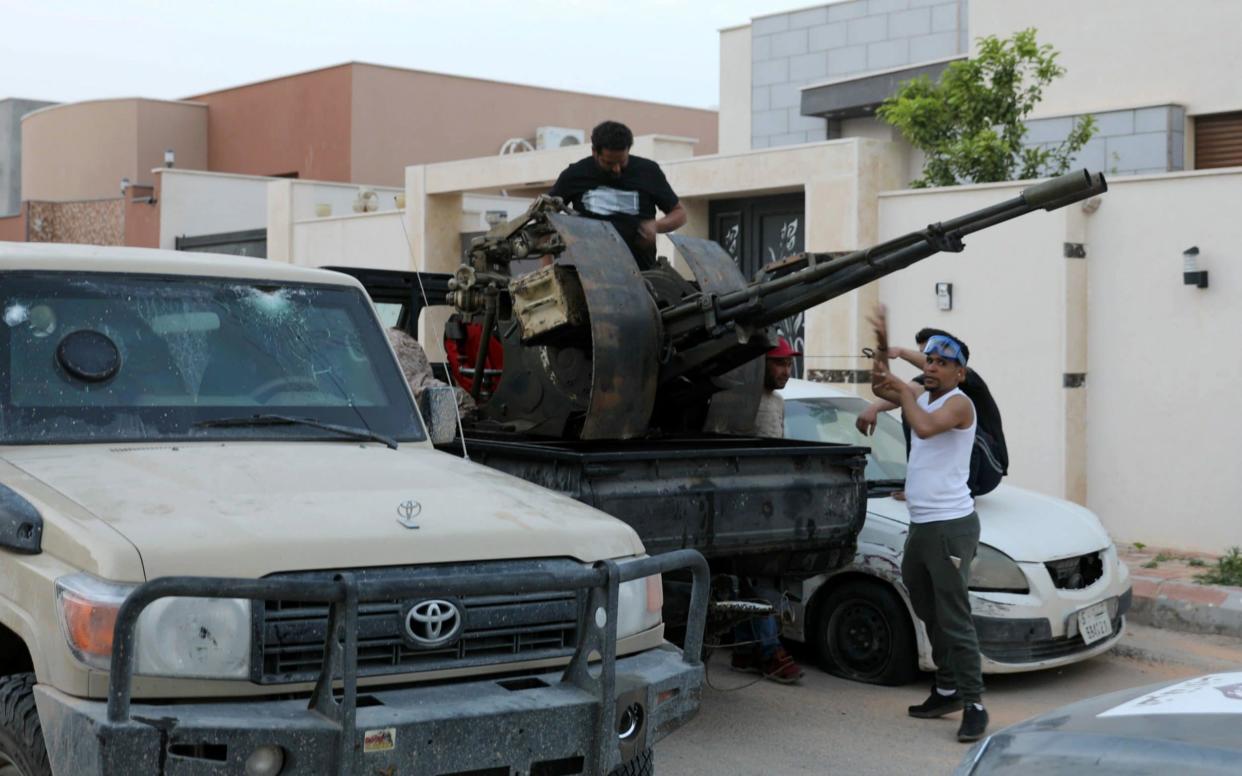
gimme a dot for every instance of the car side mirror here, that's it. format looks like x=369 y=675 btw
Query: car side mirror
x=438 y=406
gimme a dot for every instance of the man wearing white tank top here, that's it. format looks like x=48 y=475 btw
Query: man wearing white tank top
x=944 y=529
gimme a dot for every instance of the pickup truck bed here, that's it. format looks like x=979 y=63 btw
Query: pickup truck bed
x=757 y=507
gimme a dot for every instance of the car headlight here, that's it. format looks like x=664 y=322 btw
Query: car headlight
x=202 y=638
x=992 y=571
x=639 y=605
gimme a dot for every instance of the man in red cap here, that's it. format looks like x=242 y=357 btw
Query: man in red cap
x=770 y=420
x=758 y=644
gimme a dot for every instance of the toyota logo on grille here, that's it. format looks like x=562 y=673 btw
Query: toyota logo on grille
x=433 y=623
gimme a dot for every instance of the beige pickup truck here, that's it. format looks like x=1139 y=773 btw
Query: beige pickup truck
x=227 y=545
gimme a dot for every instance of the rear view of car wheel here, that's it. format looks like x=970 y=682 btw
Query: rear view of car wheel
x=21 y=738
x=862 y=632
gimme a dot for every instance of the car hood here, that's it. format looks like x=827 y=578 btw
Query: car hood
x=1189 y=726
x=1025 y=525
x=249 y=509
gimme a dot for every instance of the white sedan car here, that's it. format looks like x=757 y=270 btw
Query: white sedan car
x=1047 y=586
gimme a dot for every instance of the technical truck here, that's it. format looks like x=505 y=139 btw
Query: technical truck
x=227 y=545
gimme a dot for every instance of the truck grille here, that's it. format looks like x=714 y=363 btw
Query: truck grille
x=289 y=635
x=1076 y=573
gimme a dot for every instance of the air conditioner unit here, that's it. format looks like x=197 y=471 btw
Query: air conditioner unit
x=558 y=137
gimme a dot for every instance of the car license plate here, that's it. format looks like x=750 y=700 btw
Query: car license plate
x=1093 y=623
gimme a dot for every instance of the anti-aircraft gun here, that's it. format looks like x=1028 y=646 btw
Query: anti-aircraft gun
x=611 y=376
x=594 y=349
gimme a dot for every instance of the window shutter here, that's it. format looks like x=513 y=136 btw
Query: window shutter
x=1218 y=140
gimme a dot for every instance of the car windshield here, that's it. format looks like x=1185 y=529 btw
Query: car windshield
x=98 y=357
x=832 y=420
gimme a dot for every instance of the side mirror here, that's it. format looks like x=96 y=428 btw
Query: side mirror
x=438 y=406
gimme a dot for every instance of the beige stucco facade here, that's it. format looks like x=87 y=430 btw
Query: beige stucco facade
x=82 y=150
x=1121 y=54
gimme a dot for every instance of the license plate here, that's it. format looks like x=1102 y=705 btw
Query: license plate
x=1094 y=624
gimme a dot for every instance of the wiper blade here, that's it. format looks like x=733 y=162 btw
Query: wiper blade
x=290 y=420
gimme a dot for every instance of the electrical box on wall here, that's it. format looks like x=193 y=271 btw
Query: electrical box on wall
x=944 y=296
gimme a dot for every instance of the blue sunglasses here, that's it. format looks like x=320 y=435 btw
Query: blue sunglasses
x=947 y=347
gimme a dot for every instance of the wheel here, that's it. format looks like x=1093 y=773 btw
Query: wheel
x=643 y=764
x=22 y=752
x=862 y=632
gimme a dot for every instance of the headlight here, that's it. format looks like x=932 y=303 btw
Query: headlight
x=992 y=571
x=639 y=605
x=204 y=638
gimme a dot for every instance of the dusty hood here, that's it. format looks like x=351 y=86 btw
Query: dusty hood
x=253 y=508
x=1025 y=525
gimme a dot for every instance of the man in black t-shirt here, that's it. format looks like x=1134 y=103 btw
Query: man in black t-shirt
x=624 y=190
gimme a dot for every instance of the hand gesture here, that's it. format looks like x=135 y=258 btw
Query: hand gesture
x=879 y=324
x=886 y=385
x=866 y=420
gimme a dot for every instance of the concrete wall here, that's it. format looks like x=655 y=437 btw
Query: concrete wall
x=1163 y=438
x=1121 y=55
x=793 y=49
x=299 y=124
x=1148 y=442
x=734 y=113
x=80 y=151
x=404 y=117
x=194 y=203
x=11 y=112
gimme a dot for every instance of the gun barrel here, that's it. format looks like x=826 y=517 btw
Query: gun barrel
x=767 y=301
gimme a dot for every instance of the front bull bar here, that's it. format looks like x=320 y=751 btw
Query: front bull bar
x=597 y=634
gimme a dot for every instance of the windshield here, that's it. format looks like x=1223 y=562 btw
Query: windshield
x=95 y=357
x=832 y=420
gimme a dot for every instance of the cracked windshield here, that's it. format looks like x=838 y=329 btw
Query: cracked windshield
x=106 y=358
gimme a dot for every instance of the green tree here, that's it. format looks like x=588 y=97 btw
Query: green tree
x=970 y=124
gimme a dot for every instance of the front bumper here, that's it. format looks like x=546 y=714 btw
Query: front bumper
x=532 y=723
x=1039 y=629
x=555 y=722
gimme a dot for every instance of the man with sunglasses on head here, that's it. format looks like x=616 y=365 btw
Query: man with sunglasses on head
x=944 y=528
x=989 y=460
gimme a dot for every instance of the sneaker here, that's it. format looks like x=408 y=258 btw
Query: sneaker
x=936 y=705
x=974 y=722
x=780 y=667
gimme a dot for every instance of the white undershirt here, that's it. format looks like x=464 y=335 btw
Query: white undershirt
x=939 y=466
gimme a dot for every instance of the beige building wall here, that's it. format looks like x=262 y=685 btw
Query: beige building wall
x=405 y=117
x=1008 y=306
x=734 y=113
x=1125 y=54
x=1164 y=439
x=1148 y=442
x=80 y=151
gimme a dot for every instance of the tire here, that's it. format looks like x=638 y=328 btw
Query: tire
x=862 y=632
x=643 y=764
x=22 y=752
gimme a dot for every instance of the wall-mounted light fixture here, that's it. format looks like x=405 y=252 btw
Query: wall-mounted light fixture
x=169 y=157
x=944 y=296
x=1191 y=274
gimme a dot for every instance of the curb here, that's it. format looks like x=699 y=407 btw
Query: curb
x=1188 y=607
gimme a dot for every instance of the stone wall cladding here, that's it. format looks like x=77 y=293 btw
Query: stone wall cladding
x=792 y=50
x=1140 y=141
x=94 y=222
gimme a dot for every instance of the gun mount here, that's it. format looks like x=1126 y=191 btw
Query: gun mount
x=594 y=348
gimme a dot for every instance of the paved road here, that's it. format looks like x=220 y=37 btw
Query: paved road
x=828 y=725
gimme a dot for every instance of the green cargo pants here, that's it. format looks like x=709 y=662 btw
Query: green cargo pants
x=936 y=572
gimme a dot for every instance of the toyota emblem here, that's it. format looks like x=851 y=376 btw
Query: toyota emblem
x=407 y=511
x=433 y=623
